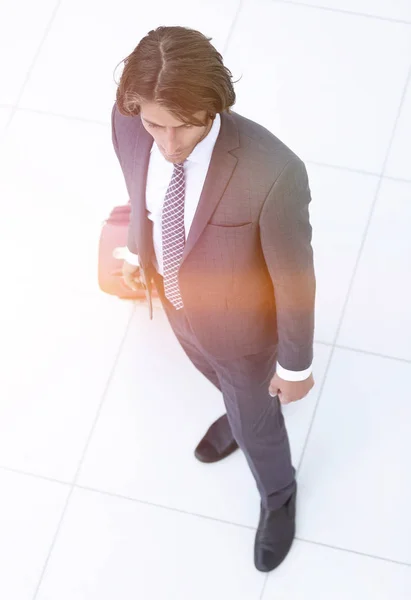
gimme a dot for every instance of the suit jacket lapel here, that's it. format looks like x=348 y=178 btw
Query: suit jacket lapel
x=219 y=173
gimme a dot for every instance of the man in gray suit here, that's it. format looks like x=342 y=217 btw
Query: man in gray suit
x=220 y=224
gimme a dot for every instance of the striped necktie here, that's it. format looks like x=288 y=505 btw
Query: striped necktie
x=173 y=235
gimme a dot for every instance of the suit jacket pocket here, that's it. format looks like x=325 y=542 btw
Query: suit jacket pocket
x=229 y=225
x=229 y=252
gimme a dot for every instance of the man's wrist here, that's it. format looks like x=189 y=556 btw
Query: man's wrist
x=288 y=375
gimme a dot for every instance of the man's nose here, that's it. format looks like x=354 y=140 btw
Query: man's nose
x=171 y=143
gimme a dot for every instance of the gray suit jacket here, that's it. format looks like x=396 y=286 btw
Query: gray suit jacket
x=246 y=277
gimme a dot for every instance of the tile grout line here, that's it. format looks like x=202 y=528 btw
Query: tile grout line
x=362 y=351
x=54 y=115
x=73 y=484
x=356 y=265
x=163 y=507
x=350 y=169
x=264 y=585
x=35 y=475
x=232 y=27
x=356 y=552
x=399 y=179
x=33 y=62
x=344 y=12
x=369 y=353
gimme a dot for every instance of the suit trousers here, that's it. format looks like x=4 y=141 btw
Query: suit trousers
x=254 y=418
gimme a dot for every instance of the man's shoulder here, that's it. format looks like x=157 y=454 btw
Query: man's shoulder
x=255 y=139
x=124 y=126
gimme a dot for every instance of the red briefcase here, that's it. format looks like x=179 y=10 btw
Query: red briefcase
x=113 y=239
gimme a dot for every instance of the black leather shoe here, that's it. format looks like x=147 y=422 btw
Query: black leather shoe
x=275 y=534
x=217 y=443
x=206 y=452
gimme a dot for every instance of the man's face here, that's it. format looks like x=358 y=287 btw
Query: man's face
x=174 y=139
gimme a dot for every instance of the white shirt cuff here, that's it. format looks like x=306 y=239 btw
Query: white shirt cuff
x=124 y=253
x=293 y=375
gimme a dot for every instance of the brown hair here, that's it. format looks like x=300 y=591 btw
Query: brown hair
x=179 y=69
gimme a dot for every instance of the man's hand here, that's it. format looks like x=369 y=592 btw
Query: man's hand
x=290 y=391
x=132 y=276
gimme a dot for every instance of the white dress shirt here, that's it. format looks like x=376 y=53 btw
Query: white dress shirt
x=158 y=177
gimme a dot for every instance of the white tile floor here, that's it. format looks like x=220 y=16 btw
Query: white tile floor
x=101 y=497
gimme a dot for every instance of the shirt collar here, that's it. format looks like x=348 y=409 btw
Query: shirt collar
x=204 y=149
